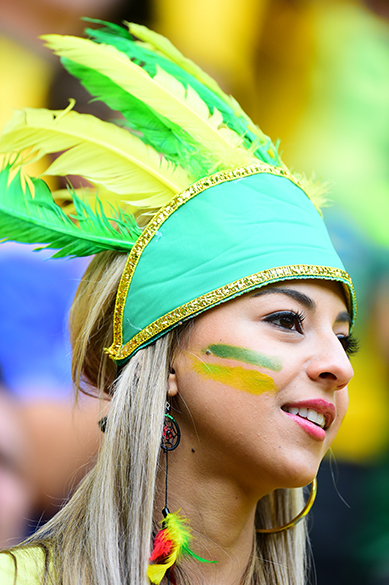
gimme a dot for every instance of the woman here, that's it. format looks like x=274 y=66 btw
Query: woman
x=227 y=315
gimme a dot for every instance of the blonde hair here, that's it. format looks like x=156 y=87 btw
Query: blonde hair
x=103 y=535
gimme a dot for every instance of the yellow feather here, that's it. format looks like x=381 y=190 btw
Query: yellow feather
x=164 y=93
x=168 y=50
x=104 y=154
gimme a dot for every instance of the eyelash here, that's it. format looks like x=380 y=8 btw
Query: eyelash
x=349 y=343
x=295 y=318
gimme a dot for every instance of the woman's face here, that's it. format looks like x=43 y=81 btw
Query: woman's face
x=261 y=384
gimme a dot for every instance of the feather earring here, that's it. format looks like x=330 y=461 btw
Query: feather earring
x=171 y=542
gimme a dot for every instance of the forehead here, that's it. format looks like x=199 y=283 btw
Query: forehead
x=314 y=294
x=312 y=288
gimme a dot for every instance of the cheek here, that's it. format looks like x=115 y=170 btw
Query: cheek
x=341 y=403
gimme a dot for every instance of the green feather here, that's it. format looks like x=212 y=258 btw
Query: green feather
x=109 y=27
x=29 y=215
x=154 y=129
x=165 y=94
x=185 y=71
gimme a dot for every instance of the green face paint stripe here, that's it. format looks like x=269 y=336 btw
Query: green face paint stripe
x=248 y=356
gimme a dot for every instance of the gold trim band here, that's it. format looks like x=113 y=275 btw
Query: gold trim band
x=161 y=216
x=229 y=291
x=296 y=520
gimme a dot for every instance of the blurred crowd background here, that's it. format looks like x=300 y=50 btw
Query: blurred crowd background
x=314 y=73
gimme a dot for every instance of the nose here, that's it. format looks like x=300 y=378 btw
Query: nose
x=330 y=365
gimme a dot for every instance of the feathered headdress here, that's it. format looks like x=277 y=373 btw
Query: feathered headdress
x=176 y=127
x=224 y=208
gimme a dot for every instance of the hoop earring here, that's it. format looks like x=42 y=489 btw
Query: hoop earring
x=299 y=517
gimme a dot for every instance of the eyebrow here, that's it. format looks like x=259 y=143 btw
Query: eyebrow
x=343 y=317
x=294 y=294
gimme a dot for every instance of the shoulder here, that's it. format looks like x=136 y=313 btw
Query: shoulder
x=27 y=563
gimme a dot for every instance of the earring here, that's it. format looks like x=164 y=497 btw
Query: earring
x=172 y=541
x=171 y=434
x=296 y=520
x=103 y=424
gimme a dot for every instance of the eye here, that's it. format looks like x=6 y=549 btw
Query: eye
x=287 y=320
x=349 y=343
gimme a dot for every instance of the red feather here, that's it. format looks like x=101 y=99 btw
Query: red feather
x=162 y=547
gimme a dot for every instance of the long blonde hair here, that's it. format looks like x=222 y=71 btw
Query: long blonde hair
x=103 y=535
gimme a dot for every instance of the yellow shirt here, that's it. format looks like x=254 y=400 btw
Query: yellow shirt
x=30 y=567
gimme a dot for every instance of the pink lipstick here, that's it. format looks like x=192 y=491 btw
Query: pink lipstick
x=314 y=416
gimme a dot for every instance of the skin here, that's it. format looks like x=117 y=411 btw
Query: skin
x=237 y=446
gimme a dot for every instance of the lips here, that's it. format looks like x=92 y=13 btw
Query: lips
x=319 y=412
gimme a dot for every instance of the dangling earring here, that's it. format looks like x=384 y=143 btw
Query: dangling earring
x=171 y=434
x=172 y=541
x=296 y=520
x=103 y=424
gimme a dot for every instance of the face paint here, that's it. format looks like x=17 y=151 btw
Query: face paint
x=247 y=356
x=250 y=381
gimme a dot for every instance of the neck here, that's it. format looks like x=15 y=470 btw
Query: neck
x=220 y=515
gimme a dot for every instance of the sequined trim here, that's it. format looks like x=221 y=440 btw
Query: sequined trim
x=160 y=217
x=230 y=291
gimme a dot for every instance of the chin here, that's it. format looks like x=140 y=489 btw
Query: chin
x=300 y=477
x=299 y=482
x=298 y=472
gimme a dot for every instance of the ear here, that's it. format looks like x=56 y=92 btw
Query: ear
x=172 y=385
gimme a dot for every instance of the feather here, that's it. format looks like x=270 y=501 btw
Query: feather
x=170 y=544
x=112 y=29
x=146 y=57
x=108 y=199
x=163 y=135
x=29 y=215
x=101 y=152
x=165 y=47
x=149 y=54
x=165 y=94
x=158 y=50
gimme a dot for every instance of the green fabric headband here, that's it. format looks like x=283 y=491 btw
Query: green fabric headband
x=225 y=235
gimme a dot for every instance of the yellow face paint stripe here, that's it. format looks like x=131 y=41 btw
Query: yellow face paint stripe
x=250 y=381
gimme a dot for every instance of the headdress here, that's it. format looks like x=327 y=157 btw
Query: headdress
x=226 y=214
